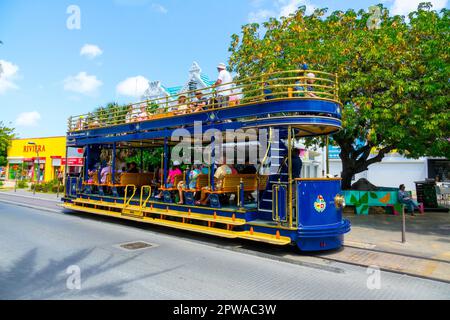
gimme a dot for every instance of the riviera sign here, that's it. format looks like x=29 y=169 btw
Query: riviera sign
x=34 y=148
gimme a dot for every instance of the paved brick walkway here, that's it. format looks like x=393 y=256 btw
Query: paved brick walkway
x=427 y=235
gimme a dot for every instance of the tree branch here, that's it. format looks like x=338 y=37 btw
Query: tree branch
x=379 y=156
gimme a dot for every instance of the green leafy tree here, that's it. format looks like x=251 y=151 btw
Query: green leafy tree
x=6 y=134
x=393 y=75
x=150 y=158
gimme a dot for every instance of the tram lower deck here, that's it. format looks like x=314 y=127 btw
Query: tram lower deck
x=272 y=204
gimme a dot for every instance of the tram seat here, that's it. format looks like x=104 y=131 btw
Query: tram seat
x=202 y=181
x=231 y=183
x=137 y=179
x=177 y=179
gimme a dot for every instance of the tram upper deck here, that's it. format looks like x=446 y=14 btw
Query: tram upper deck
x=285 y=98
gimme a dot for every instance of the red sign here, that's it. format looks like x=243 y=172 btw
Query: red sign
x=72 y=162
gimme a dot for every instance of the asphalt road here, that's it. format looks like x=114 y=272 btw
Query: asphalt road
x=37 y=248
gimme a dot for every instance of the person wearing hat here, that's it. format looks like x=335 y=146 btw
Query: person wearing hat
x=310 y=79
x=182 y=107
x=200 y=102
x=224 y=83
x=302 y=91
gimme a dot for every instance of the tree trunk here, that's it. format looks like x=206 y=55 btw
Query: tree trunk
x=346 y=175
x=355 y=161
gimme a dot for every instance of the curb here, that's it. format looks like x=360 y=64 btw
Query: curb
x=416 y=275
x=20 y=204
x=28 y=197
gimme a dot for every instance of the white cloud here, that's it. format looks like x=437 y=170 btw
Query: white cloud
x=82 y=83
x=91 y=51
x=260 y=15
x=280 y=8
x=8 y=74
x=28 y=119
x=133 y=86
x=290 y=6
x=404 y=7
x=159 y=8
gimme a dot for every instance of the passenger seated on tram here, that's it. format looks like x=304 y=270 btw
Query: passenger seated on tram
x=302 y=91
x=133 y=168
x=131 y=116
x=104 y=173
x=173 y=172
x=182 y=107
x=193 y=175
x=143 y=115
x=200 y=103
x=91 y=174
x=80 y=123
x=219 y=175
x=235 y=98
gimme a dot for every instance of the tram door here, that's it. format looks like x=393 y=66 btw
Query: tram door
x=280 y=203
x=283 y=190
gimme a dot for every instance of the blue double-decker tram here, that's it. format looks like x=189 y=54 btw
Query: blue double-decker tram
x=263 y=200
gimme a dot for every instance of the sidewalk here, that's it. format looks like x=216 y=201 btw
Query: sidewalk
x=427 y=235
x=375 y=241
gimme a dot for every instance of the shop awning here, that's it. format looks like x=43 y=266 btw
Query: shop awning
x=15 y=160
x=41 y=160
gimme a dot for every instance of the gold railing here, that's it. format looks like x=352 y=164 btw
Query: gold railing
x=281 y=85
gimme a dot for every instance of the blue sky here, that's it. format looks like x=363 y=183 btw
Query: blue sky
x=50 y=71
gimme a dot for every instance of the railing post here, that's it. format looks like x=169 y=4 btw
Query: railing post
x=336 y=91
x=403 y=225
x=241 y=193
x=290 y=180
x=262 y=87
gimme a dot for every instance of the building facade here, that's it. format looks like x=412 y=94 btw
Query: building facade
x=31 y=158
x=196 y=81
x=396 y=169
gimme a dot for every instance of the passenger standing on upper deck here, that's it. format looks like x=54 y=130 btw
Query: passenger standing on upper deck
x=224 y=81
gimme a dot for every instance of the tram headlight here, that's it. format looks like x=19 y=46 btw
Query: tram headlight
x=339 y=201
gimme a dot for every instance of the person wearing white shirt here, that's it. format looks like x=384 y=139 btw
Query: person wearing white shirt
x=224 y=82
